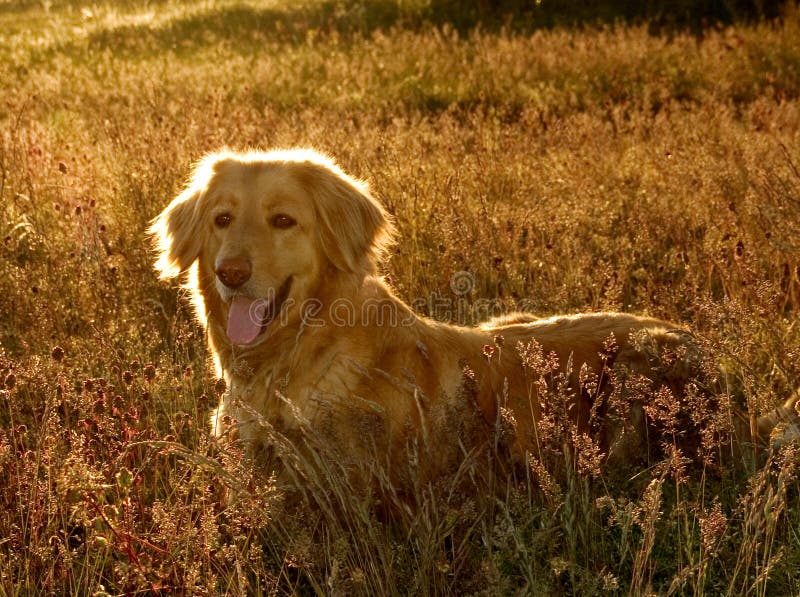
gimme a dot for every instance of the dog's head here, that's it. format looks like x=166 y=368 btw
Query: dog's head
x=267 y=228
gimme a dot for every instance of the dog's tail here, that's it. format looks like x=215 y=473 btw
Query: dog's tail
x=780 y=426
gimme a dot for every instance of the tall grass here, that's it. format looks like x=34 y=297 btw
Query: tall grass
x=587 y=168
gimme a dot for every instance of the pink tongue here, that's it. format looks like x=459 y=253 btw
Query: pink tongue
x=245 y=316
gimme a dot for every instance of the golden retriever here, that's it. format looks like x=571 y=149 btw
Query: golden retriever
x=283 y=249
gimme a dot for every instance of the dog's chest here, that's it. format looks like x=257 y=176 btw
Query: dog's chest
x=270 y=397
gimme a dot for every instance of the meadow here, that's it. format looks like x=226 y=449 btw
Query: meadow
x=573 y=167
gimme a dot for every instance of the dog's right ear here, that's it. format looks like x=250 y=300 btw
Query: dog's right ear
x=179 y=231
x=176 y=234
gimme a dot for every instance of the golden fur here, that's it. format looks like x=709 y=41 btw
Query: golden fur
x=346 y=356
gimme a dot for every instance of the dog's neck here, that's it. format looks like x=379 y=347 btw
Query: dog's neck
x=302 y=340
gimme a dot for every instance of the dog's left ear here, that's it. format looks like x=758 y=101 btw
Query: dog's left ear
x=355 y=230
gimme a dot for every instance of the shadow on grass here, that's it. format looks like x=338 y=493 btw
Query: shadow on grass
x=250 y=28
x=240 y=25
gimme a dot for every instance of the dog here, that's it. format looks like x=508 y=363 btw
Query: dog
x=283 y=250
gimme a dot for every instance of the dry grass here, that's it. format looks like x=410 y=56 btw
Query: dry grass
x=578 y=169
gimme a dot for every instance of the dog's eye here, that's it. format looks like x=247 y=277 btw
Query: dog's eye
x=283 y=221
x=222 y=220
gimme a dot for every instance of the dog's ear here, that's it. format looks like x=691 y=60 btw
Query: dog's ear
x=354 y=229
x=180 y=230
x=176 y=235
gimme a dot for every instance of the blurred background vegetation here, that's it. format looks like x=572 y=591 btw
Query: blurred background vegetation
x=579 y=156
x=548 y=13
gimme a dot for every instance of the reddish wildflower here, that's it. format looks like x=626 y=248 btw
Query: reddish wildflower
x=739 y=251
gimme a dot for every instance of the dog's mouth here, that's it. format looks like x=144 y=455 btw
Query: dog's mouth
x=248 y=317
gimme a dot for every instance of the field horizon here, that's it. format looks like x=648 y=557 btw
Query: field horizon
x=640 y=164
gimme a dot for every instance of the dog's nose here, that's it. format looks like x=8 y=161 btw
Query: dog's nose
x=234 y=272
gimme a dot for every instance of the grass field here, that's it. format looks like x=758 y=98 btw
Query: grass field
x=572 y=168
